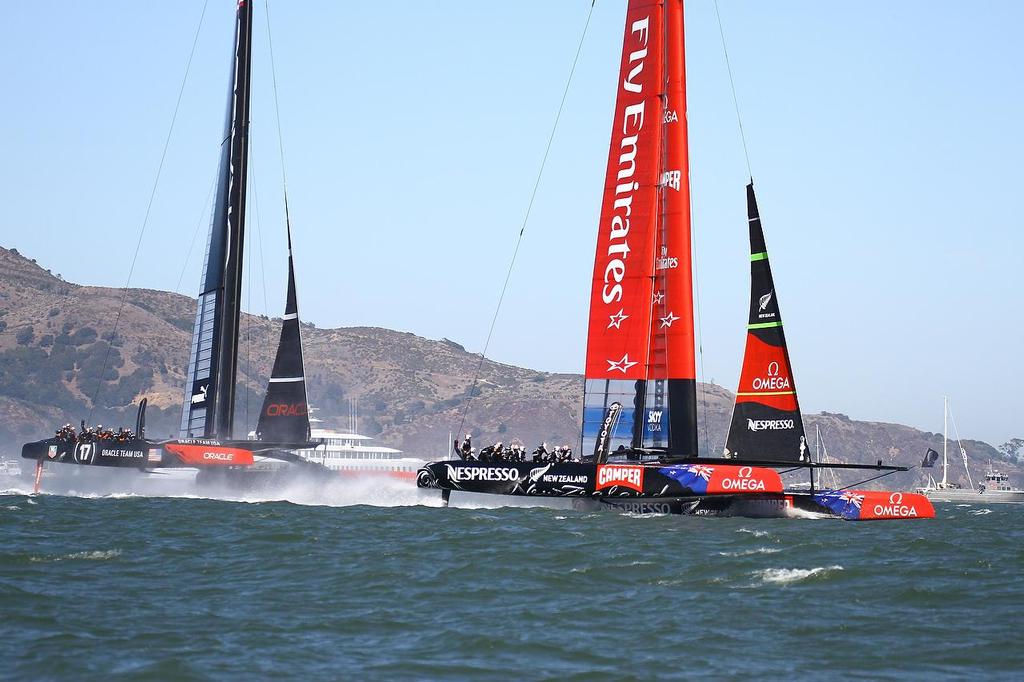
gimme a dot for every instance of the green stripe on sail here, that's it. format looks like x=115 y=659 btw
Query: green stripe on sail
x=759 y=256
x=764 y=325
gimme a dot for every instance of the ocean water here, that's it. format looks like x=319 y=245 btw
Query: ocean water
x=378 y=582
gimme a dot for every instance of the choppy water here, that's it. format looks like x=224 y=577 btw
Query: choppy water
x=157 y=587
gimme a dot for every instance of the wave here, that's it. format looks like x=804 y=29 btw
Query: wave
x=755 y=533
x=788 y=576
x=377 y=492
x=749 y=552
x=86 y=556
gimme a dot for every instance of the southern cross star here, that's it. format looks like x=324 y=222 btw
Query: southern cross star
x=622 y=365
x=659 y=296
x=616 y=319
x=668 y=320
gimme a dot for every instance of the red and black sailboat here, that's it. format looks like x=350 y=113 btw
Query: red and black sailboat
x=766 y=419
x=208 y=410
x=639 y=429
x=766 y=424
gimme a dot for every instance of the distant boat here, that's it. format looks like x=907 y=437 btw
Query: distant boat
x=339 y=455
x=350 y=454
x=639 y=427
x=996 y=488
x=207 y=424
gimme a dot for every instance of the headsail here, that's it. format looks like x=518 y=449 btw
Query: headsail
x=285 y=415
x=640 y=335
x=208 y=408
x=766 y=423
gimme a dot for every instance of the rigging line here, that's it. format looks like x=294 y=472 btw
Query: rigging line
x=873 y=478
x=259 y=238
x=149 y=208
x=284 y=179
x=280 y=137
x=248 y=319
x=732 y=84
x=960 y=446
x=195 y=233
x=700 y=346
x=526 y=217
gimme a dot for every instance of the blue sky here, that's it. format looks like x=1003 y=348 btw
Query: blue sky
x=884 y=140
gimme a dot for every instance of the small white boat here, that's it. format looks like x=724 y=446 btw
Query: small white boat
x=995 y=490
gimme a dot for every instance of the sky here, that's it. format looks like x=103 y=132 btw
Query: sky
x=884 y=141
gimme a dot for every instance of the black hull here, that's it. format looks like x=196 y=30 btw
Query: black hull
x=593 y=480
x=661 y=488
x=137 y=453
x=786 y=505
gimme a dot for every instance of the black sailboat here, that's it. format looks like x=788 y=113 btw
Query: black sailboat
x=207 y=437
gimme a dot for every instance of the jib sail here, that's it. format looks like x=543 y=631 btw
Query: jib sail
x=208 y=408
x=766 y=423
x=640 y=349
x=285 y=415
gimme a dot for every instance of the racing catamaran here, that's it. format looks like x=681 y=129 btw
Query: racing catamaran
x=639 y=423
x=206 y=438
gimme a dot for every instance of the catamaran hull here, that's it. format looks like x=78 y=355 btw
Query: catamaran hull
x=797 y=505
x=589 y=480
x=135 y=453
x=689 y=489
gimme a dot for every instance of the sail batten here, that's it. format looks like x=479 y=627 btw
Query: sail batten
x=766 y=422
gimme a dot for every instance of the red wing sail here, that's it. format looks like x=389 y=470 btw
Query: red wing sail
x=766 y=423
x=640 y=335
x=672 y=337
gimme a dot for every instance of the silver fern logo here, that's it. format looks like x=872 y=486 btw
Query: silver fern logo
x=764 y=301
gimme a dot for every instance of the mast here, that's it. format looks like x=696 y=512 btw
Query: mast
x=208 y=408
x=945 y=439
x=674 y=265
x=640 y=342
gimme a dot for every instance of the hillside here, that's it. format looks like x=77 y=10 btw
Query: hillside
x=59 y=362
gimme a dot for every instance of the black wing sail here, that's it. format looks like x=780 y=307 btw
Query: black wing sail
x=285 y=416
x=766 y=423
x=208 y=408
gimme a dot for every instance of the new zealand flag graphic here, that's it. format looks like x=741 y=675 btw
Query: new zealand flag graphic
x=845 y=503
x=695 y=477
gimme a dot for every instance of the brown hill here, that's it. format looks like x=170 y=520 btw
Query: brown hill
x=60 y=362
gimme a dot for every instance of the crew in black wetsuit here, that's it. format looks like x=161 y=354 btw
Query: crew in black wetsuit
x=467 y=447
x=541 y=453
